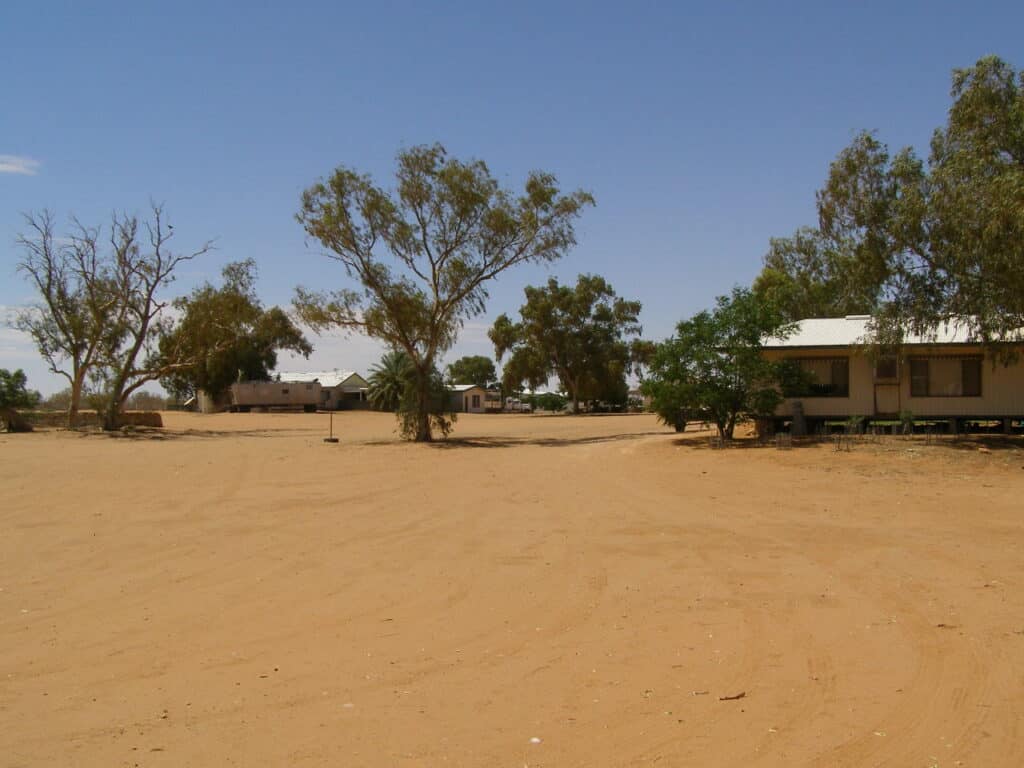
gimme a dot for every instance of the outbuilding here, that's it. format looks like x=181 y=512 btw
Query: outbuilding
x=467 y=398
x=339 y=389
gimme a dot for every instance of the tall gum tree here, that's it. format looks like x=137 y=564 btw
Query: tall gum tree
x=72 y=317
x=140 y=267
x=227 y=335
x=575 y=332
x=423 y=254
x=918 y=243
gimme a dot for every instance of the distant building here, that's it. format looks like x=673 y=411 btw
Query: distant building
x=339 y=390
x=246 y=395
x=636 y=395
x=467 y=398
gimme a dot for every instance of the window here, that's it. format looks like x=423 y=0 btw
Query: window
x=476 y=401
x=945 y=377
x=970 y=377
x=919 y=378
x=284 y=391
x=887 y=368
x=822 y=377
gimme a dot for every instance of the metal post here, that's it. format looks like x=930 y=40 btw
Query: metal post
x=331 y=438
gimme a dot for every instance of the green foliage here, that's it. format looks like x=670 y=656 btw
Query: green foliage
x=577 y=333
x=918 y=243
x=76 y=313
x=13 y=392
x=13 y=395
x=435 y=395
x=100 y=314
x=225 y=335
x=713 y=367
x=973 y=205
x=394 y=387
x=140 y=266
x=473 y=369
x=907 y=422
x=794 y=380
x=389 y=380
x=448 y=230
x=549 y=401
x=806 y=275
x=641 y=352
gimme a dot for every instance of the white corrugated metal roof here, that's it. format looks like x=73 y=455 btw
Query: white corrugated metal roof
x=541 y=391
x=463 y=387
x=853 y=330
x=326 y=378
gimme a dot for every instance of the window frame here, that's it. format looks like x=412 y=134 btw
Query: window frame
x=915 y=377
x=891 y=379
x=832 y=360
x=963 y=377
x=972 y=359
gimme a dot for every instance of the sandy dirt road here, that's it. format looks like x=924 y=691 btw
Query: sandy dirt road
x=541 y=591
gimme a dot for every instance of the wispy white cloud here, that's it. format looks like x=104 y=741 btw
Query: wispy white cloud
x=24 y=166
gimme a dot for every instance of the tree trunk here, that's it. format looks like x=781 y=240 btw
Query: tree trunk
x=111 y=417
x=76 y=398
x=728 y=429
x=73 y=414
x=423 y=410
x=14 y=421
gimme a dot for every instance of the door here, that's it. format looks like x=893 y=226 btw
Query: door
x=887 y=386
x=887 y=399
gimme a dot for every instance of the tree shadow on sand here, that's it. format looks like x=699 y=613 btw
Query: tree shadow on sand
x=544 y=442
x=843 y=442
x=162 y=434
x=493 y=441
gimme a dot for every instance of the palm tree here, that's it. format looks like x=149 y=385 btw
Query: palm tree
x=388 y=381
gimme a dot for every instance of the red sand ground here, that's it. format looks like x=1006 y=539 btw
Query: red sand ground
x=234 y=591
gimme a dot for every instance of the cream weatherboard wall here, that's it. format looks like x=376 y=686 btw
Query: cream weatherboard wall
x=1002 y=387
x=859 y=402
x=466 y=398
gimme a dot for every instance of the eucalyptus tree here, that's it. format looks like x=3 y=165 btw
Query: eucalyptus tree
x=422 y=255
x=578 y=333
x=100 y=313
x=140 y=266
x=73 y=314
x=918 y=242
x=227 y=335
x=473 y=369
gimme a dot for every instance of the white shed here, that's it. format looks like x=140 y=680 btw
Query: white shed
x=467 y=398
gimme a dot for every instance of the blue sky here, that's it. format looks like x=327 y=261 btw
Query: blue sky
x=701 y=129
